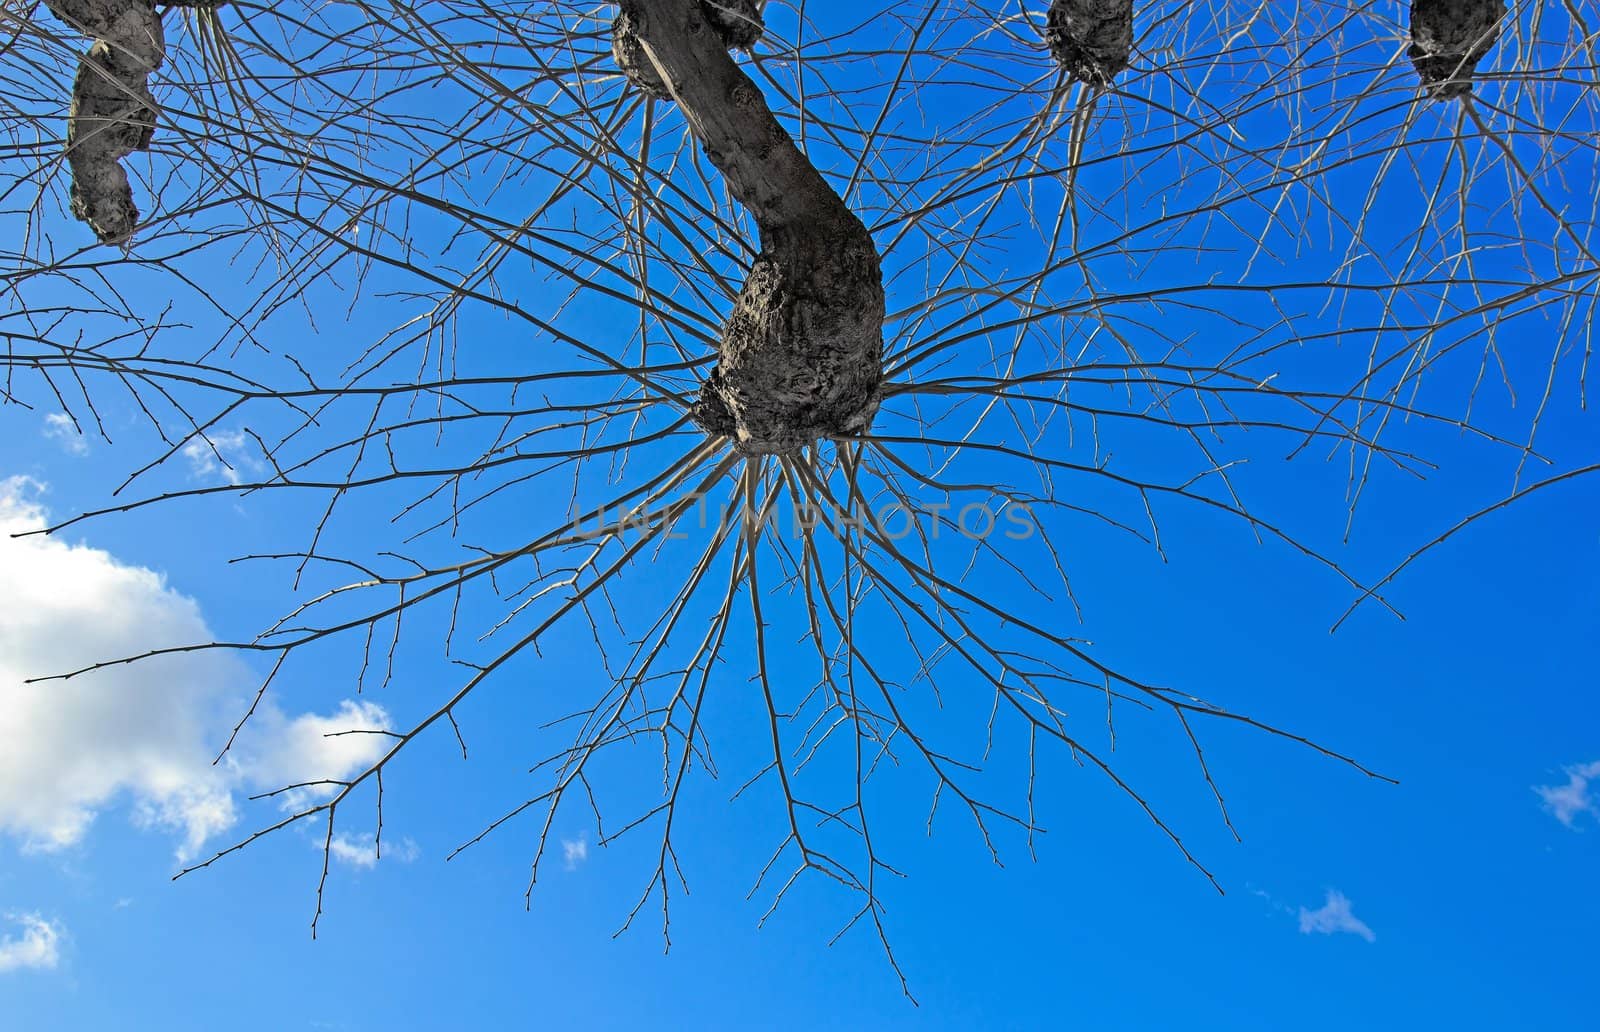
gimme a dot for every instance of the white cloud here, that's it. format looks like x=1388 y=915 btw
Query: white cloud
x=279 y=750
x=361 y=850
x=145 y=732
x=227 y=455
x=38 y=946
x=575 y=851
x=1334 y=916
x=1567 y=802
x=58 y=426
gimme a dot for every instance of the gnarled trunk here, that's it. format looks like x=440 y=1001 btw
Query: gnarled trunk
x=737 y=22
x=112 y=113
x=1449 y=38
x=801 y=356
x=1091 y=39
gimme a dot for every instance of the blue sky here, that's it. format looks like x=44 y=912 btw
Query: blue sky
x=1465 y=898
x=1464 y=895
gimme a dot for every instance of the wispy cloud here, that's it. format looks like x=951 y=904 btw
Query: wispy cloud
x=1334 y=916
x=361 y=849
x=1570 y=801
x=226 y=455
x=278 y=749
x=146 y=732
x=61 y=428
x=37 y=946
x=575 y=851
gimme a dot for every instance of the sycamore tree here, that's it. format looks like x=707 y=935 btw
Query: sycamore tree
x=785 y=358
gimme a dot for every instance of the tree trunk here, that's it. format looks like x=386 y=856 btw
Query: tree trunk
x=802 y=354
x=112 y=113
x=1449 y=38
x=1090 y=39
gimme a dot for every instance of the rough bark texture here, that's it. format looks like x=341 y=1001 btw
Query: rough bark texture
x=737 y=22
x=1091 y=39
x=1449 y=38
x=112 y=113
x=801 y=356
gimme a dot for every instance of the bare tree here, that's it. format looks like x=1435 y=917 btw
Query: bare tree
x=844 y=317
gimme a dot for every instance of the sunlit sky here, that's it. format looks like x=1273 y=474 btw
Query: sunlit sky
x=1464 y=896
x=1461 y=895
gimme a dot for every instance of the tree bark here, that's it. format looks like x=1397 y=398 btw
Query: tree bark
x=1090 y=39
x=113 y=113
x=802 y=354
x=1449 y=38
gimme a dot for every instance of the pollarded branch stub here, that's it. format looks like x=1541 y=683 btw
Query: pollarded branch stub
x=738 y=23
x=1449 y=38
x=1090 y=39
x=801 y=355
x=113 y=113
